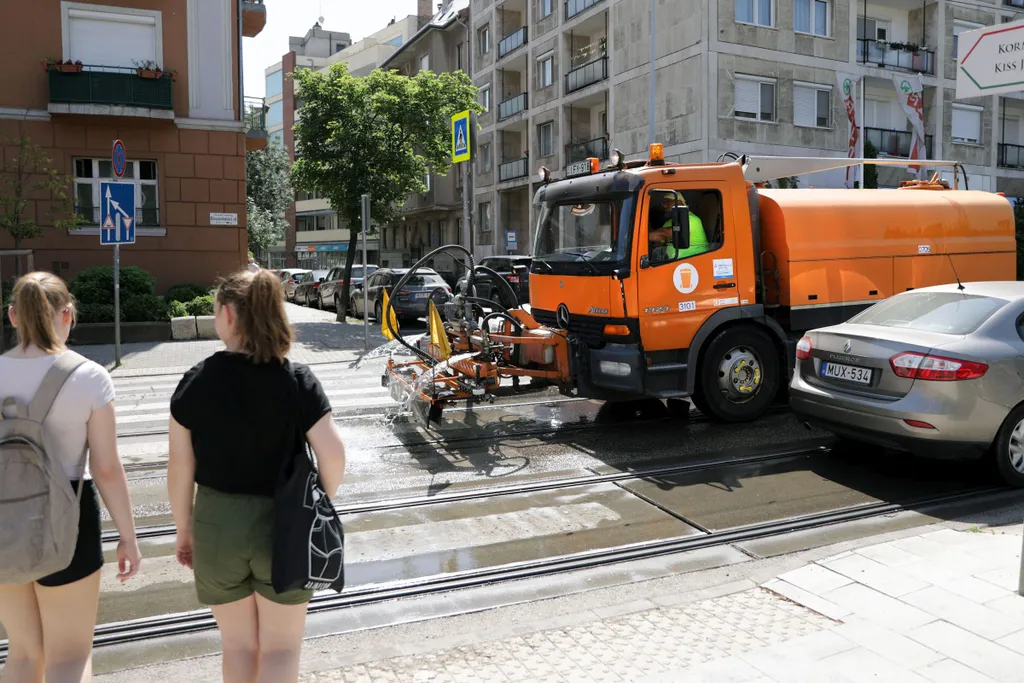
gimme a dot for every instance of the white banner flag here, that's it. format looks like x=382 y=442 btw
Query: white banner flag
x=848 y=91
x=911 y=98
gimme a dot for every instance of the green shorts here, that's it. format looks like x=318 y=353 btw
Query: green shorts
x=232 y=549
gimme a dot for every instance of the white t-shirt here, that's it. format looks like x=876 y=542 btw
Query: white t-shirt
x=88 y=388
x=254 y=267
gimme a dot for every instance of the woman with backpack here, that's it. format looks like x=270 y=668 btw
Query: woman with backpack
x=58 y=445
x=236 y=419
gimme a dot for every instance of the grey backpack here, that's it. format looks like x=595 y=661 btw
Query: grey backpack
x=39 y=508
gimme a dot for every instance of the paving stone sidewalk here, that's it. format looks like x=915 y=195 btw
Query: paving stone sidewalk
x=319 y=339
x=939 y=606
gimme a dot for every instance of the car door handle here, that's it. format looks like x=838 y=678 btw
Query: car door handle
x=725 y=285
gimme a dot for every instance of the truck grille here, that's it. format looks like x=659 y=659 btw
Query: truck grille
x=588 y=329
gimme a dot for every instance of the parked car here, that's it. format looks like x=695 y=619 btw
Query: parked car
x=514 y=269
x=290 y=279
x=410 y=303
x=330 y=290
x=935 y=371
x=307 y=288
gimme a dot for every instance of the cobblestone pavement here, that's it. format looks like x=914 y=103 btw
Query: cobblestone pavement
x=319 y=339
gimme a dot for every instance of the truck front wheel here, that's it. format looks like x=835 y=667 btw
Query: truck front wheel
x=739 y=375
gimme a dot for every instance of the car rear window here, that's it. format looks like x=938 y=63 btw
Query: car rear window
x=424 y=280
x=945 y=312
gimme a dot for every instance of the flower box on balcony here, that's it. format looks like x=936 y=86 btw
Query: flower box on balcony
x=67 y=67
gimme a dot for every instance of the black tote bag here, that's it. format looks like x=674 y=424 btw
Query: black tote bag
x=308 y=541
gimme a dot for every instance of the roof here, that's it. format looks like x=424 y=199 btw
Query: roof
x=442 y=20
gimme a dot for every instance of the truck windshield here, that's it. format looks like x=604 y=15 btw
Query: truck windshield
x=588 y=233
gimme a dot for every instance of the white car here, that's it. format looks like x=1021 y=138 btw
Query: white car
x=290 y=279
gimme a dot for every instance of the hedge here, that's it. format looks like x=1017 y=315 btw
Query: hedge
x=177 y=310
x=96 y=285
x=202 y=305
x=185 y=293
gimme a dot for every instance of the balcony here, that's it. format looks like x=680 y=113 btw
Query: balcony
x=587 y=74
x=512 y=42
x=596 y=148
x=512 y=106
x=111 y=91
x=885 y=56
x=895 y=143
x=254 y=18
x=1014 y=3
x=574 y=7
x=256 y=136
x=1011 y=156
x=512 y=170
x=144 y=217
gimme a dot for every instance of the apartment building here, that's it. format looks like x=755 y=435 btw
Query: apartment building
x=564 y=80
x=316 y=238
x=186 y=130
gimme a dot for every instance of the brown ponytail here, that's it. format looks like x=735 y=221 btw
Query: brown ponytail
x=258 y=300
x=37 y=300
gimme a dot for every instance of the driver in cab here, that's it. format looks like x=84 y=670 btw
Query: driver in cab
x=659 y=229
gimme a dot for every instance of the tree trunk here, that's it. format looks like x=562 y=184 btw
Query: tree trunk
x=17 y=260
x=353 y=238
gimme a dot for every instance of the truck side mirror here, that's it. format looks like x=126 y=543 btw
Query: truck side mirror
x=680 y=227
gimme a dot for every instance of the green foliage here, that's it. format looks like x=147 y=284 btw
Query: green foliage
x=96 y=285
x=268 y=194
x=95 y=313
x=143 y=308
x=263 y=229
x=177 y=309
x=870 y=170
x=200 y=306
x=185 y=293
x=6 y=290
x=27 y=174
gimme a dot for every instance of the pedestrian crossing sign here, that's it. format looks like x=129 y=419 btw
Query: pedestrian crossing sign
x=460 y=137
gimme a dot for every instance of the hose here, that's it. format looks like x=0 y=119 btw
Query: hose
x=504 y=283
x=501 y=314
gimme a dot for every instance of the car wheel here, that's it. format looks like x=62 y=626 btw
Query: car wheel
x=320 y=301
x=739 y=375
x=378 y=313
x=1008 y=449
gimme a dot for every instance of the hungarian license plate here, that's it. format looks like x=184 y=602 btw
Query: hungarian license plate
x=846 y=373
x=421 y=295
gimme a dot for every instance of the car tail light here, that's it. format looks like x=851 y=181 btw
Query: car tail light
x=316 y=285
x=935 y=368
x=513 y=278
x=803 y=349
x=920 y=424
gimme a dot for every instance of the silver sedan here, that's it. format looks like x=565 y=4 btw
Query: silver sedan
x=937 y=371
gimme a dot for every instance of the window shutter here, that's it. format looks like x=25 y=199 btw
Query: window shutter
x=966 y=124
x=747 y=99
x=804 y=113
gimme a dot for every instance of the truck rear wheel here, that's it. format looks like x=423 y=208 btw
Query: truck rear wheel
x=739 y=375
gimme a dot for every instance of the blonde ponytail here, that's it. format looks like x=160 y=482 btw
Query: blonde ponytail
x=258 y=300
x=37 y=300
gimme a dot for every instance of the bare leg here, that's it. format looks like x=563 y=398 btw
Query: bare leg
x=281 y=629
x=69 y=620
x=19 y=614
x=239 y=632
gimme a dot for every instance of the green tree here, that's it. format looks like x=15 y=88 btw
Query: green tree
x=870 y=170
x=26 y=176
x=379 y=135
x=268 y=192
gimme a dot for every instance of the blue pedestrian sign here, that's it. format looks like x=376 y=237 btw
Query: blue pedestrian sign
x=118 y=158
x=460 y=137
x=118 y=208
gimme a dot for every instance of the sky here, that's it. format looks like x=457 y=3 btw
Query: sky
x=359 y=18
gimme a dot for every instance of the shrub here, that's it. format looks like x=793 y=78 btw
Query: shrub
x=96 y=285
x=145 y=308
x=177 y=310
x=186 y=293
x=6 y=290
x=202 y=305
x=96 y=313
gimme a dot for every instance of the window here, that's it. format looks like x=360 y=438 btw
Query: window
x=339 y=47
x=485 y=98
x=705 y=206
x=967 y=123
x=546 y=72
x=812 y=105
x=546 y=138
x=484 y=38
x=91 y=173
x=458 y=57
x=86 y=35
x=811 y=16
x=274 y=83
x=755 y=12
x=872 y=29
x=484 y=216
x=485 y=158
x=546 y=8
x=395 y=42
x=425 y=63
x=755 y=98
x=944 y=312
x=275 y=114
x=426 y=181
x=604 y=122
x=958 y=28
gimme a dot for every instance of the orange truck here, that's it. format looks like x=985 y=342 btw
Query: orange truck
x=653 y=279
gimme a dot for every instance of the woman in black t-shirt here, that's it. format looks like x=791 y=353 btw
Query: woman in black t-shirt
x=235 y=419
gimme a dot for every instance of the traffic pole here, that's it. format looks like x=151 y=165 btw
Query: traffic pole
x=117 y=305
x=366 y=277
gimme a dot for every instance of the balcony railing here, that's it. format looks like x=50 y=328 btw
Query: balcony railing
x=512 y=42
x=144 y=217
x=574 y=7
x=883 y=55
x=1014 y=3
x=596 y=148
x=255 y=113
x=895 y=143
x=118 y=86
x=1011 y=156
x=511 y=170
x=512 y=106
x=588 y=74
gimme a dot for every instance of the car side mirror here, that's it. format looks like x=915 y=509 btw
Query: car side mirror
x=645 y=261
x=621 y=273
x=680 y=227
x=321 y=279
x=520 y=269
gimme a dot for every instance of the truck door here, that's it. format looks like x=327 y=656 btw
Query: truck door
x=679 y=291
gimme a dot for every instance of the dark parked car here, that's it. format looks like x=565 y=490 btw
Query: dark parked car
x=515 y=270
x=306 y=291
x=411 y=302
x=330 y=290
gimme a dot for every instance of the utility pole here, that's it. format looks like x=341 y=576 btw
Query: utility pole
x=650 y=97
x=467 y=172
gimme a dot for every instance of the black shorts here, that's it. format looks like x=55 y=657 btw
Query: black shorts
x=89 y=550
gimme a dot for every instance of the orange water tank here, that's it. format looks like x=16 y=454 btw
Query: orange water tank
x=849 y=247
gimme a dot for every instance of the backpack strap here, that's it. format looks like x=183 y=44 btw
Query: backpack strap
x=52 y=383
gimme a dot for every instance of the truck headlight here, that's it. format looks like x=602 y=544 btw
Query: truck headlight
x=610 y=367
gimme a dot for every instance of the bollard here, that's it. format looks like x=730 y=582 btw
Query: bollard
x=1020 y=577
